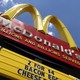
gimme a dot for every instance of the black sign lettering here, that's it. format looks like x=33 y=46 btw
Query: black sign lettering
x=50 y=77
x=29 y=62
x=39 y=66
x=36 y=71
x=51 y=72
x=28 y=74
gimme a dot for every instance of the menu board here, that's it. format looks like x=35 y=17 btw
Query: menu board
x=16 y=66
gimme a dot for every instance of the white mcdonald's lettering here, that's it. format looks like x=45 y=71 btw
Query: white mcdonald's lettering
x=28 y=34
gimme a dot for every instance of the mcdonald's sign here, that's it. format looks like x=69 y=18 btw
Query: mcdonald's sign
x=18 y=67
x=64 y=50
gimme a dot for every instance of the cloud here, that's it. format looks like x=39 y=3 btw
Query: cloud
x=50 y=29
x=50 y=25
x=5 y=2
x=51 y=33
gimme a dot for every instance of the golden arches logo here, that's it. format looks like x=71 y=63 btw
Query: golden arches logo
x=39 y=24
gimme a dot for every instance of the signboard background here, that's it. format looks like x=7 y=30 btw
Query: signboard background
x=32 y=43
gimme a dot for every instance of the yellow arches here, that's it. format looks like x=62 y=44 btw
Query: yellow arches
x=21 y=8
x=61 y=28
x=39 y=24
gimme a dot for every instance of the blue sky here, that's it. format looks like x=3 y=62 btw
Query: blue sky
x=67 y=11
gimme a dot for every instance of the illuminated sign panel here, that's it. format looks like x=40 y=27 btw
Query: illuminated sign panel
x=20 y=67
x=49 y=45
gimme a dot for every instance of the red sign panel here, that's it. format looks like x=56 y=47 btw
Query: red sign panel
x=48 y=45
